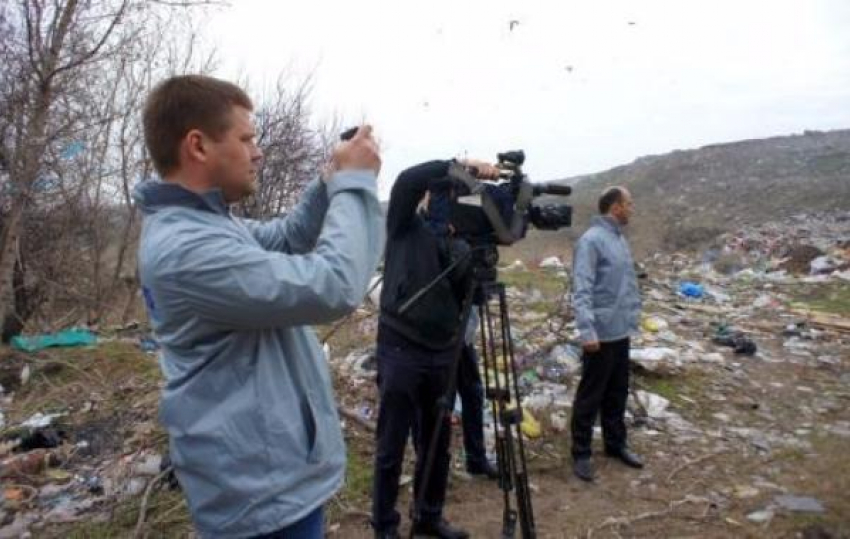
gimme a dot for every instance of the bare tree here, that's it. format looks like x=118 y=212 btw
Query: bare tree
x=70 y=144
x=293 y=150
x=71 y=149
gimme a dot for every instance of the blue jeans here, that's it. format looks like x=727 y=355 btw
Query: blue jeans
x=309 y=527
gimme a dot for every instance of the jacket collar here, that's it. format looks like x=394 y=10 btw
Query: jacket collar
x=608 y=223
x=154 y=195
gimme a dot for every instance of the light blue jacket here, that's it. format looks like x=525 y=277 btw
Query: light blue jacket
x=606 y=299
x=254 y=434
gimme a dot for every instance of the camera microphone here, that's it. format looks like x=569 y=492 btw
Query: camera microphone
x=552 y=189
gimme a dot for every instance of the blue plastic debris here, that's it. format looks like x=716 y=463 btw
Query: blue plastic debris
x=691 y=290
x=148 y=344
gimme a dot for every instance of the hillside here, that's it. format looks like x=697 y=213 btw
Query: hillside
x=687 y=197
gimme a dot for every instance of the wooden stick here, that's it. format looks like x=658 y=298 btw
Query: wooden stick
x=355 y=417
x=140 y=523
x=625 y=521
x=692 y=462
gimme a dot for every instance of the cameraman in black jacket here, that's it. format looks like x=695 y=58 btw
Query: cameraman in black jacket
x=415 y=348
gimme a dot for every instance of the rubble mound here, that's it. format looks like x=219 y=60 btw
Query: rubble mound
x=799 y=259
x=685 y=198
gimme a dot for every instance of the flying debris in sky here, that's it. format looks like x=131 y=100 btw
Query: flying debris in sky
x=512 y=24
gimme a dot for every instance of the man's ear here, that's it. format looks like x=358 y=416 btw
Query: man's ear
x=195 y=145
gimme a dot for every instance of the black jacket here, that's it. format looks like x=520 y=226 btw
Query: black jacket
x=414 y=256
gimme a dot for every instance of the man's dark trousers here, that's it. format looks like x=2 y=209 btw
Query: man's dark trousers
x=410 y=387
x=471 y=392
x=603 y=390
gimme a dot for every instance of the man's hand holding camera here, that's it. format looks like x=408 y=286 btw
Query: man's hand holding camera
x=360 y=152
x=481 y=169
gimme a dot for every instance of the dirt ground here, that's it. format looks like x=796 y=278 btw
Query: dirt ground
x=703 y=487
x=749 y=429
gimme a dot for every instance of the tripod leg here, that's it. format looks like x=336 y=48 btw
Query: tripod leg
x=497 y=395
x=526 y=512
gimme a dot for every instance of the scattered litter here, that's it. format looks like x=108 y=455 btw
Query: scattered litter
x=149 y=465
x=68 y=337
x=530 y=426
x=822 y=264
x=655 y=405
x=31 y=463
x=57 y=474
x=41 y=438
x=559 y=421
x=745 y=491
x=651 y=354
x=375 y=290
x=516 y=265
x=727 y=336
x=552 y=262
x=39 y=420
x=742 y=291
x=763 y=301
x=25 y=375
x=800 y=504
x=653 y=359
x=148 y=344
x=654 y=324
x=691 y=290
x=760 y=517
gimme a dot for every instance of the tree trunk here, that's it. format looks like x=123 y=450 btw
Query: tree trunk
x=27 y=160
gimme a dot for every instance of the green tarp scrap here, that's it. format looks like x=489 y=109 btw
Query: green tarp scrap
x=68 y=337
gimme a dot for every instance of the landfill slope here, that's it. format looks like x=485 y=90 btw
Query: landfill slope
x=686 y=198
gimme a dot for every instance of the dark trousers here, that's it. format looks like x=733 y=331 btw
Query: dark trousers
x=471 y=392
x=603 y=390
x=409 y=391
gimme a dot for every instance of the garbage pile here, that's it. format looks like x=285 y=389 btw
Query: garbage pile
x=712 y=317
x=815 y=246
x=699 y=315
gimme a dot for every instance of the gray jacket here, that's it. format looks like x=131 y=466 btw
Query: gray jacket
x=254 y=434
x=606 y=299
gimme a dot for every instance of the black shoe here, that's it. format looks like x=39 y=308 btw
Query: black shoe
x=486 y=469
x=583 y=469
x=391 y=533
x=441 y=529
x=627 y=457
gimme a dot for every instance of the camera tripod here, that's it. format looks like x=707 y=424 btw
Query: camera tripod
x=484 y=292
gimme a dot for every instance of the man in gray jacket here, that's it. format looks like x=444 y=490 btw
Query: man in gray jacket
x=254 y=434
x=606 y=301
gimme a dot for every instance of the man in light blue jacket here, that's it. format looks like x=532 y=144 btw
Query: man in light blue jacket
x=254 y=434
x=606 y=301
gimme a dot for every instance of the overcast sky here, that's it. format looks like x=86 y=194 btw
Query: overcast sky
x=581 y=86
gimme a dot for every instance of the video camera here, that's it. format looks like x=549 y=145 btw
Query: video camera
x=500 y=212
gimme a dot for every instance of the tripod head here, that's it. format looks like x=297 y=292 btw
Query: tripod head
x=485 y=256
